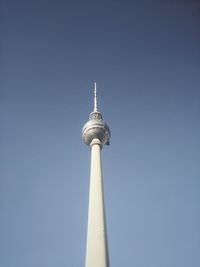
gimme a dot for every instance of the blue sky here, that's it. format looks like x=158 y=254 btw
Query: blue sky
x=145 y=57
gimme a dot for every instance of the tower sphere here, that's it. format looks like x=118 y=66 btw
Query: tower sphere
x=96 y=128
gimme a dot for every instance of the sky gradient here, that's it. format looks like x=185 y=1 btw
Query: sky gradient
x=145 y=57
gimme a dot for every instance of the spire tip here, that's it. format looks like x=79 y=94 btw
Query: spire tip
x=95 y=96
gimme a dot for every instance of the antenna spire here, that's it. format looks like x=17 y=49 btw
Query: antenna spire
x=95 y=97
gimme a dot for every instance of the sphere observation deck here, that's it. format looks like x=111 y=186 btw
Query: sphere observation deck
x=96 y=128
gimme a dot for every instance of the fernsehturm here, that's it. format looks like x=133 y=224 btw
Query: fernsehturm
x=96 y=134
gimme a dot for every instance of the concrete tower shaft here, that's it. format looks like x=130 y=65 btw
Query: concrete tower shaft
x=97 y=245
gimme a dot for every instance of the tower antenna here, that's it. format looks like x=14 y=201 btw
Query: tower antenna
x=95 y=97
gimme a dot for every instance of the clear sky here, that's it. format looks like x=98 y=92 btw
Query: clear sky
x=145 y=57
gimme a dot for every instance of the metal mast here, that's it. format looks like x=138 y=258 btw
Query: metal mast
x=96 y=134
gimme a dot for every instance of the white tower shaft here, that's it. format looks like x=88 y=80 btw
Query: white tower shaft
x=97 y=247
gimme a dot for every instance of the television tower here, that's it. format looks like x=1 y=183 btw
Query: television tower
x=96 y=134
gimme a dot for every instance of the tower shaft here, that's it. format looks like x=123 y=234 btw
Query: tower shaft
x=97 y=247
